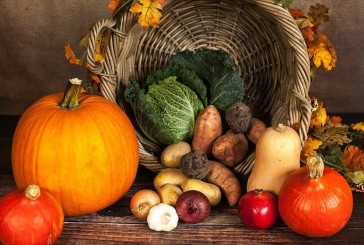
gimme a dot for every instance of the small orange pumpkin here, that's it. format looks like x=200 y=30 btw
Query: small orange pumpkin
x=30 y=216
x=83 y=149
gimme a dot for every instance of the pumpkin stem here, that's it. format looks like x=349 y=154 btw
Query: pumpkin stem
x=32 y=192
x=315 y=165
x=280 y=127
x=70 y=98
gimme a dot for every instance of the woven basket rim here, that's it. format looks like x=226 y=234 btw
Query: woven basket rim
x=115 y=72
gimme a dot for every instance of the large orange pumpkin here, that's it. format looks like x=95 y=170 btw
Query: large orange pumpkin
x=84 y=150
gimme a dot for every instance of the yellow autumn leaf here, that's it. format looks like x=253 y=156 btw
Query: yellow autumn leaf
x=310 y=147
x=149 y=12
x=322 y=52
x=319 y=116
x=101 y=45
x=354 y=158
x=70 y=55
x=358 y=126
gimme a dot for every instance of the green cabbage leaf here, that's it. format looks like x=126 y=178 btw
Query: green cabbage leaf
x=218 y=72
x=165 y=111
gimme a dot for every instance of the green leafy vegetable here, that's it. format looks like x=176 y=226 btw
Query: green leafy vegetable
x=217 y=70
x=184 y=76
x=166 y=112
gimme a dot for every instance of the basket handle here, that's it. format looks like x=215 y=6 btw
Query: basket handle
x=119 y=55
x=96 y=67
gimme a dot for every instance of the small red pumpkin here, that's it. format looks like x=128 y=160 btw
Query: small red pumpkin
x=82 y=149
x=30 y=216
x=315 y=201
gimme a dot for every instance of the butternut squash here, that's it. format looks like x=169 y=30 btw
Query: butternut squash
x=277 y=154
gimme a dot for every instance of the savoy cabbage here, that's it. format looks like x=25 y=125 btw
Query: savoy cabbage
x=218 y=71
x=166 y=111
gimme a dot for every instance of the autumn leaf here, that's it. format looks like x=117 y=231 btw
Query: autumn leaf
x=70 y=55
x=149 y=12
x=358 y=126
x=355 y=177
x=101 y=45
x=333 y=157
x=310 y=147
x=309 y=34
x=296 y=126
x=302 y=19
x=330 y=136
x=319 y=13
x=333 y=120
x=318 y=117
x=84 y=40
x=297 y=13
x=354 y=158
x=322 y=52
x=114 y=5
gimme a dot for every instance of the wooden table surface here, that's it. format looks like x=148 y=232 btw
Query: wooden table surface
x=116 y=224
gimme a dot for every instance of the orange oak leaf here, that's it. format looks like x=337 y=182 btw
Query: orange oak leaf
x=113 y=5
x=70 y=55
x=310 y=147
x=297 y=13
x=318 y=117
x=150 y=12
x=333 y=120
x=354 y=158
x=309 y=33
x=322 y=52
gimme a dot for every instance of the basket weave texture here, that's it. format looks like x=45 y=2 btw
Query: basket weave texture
x=262 y=38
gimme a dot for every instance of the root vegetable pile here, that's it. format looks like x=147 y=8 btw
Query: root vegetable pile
x=198 y=173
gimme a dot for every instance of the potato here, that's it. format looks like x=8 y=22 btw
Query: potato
x=211 y=191
x=169 y=194
x=172 y=176
x=256 y=128
x=172 y=154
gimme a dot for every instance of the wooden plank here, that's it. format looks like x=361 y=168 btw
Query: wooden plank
x=116 y=224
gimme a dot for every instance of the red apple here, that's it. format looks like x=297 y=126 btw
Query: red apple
x=258 y=209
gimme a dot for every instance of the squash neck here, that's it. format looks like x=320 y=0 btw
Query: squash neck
x=70 y=99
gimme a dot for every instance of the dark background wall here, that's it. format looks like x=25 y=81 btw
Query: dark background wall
x=33 y=35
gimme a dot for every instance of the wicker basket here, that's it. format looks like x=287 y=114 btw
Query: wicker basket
x=262 y=38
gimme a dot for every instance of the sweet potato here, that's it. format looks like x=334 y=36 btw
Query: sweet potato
x=230 y=148
x=208 y=128
x=255 y=130
x=221 y=176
